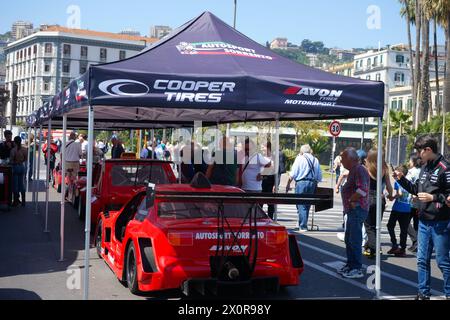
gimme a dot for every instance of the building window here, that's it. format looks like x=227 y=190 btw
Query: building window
x=375 y=61
x=48 y=48
x=400 y=104
x=369 y=63
x=122 y=55
x=399 y=58
x=84 y=52
x=103 y=54
x=394 y=104
x=83 y=67
x=409 y=106
x=368 y=77
x=65 y=82
x=34 y=49
x=66 y=66
x=47 y=67
x=67 y=49
x=378 y=77
x=46 y=85
x=381 y=59
x=399 y=77
x=29 y=51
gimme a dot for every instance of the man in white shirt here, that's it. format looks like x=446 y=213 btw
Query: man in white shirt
x=73 y=155
x=307 y=174
x=253 y=167
x=84 y=144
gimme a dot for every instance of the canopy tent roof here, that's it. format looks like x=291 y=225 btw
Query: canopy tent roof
x=208 y=71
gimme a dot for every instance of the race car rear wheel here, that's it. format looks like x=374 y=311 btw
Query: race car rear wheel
x=98 y=239
x=131 y=270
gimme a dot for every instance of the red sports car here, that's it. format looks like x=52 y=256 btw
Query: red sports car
x=200 y=239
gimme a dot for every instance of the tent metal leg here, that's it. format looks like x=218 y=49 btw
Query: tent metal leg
x=379 y=207
x=38 y=170
x=34 y=166
x=29 y=169
x=277 y=162
x=89 y=165
x=314 y=227
x=47 y=189
x=63 y=185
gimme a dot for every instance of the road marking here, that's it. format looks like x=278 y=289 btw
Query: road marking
x=383 y=273
x=337 y=276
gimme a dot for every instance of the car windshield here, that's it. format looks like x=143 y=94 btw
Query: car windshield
x=193 y=210
x=138 y=175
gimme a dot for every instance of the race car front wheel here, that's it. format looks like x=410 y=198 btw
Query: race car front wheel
x=131 y=270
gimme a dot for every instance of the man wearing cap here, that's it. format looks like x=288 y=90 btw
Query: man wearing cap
x=6 y=146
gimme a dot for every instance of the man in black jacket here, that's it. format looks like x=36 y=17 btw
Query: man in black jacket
x=432 y=190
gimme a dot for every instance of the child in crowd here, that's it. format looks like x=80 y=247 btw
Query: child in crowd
x=401 y=213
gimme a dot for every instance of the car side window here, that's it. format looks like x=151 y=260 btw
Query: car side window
x=142 y=211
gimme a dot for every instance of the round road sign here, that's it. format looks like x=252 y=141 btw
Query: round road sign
x=335 y=128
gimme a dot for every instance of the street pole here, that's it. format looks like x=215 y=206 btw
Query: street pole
x=363 y=134
x=398 y=146
x=388 y=132
x=235 y=13
x=443 y=142
x=332 y=162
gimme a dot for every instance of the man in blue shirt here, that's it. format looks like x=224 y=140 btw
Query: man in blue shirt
x=307 y=174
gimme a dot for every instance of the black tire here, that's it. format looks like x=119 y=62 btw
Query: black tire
x=131 y=270
x=81 y=211
x=98 y=239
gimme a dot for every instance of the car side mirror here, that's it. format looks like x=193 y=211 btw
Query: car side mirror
x=150 y=198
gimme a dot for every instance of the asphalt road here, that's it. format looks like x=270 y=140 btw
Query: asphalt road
x=30 y=267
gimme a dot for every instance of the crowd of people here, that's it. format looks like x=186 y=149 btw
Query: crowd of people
x=421 y=194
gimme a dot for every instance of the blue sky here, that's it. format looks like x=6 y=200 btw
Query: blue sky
x=338 y=23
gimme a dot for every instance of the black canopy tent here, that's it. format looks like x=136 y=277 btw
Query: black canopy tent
x=207 y=71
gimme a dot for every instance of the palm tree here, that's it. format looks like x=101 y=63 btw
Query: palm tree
x=417 y=74
x=425 y=83
x=400 y=120
x=408 y=12
x=431 y=12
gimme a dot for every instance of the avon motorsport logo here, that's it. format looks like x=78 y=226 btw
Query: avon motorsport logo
x=308 y=96
x=219 y=48
x=174 y=90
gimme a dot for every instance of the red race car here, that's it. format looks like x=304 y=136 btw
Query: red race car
x=201 y=239
x=115 y=182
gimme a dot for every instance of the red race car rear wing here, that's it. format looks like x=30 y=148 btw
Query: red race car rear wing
x=322 y=199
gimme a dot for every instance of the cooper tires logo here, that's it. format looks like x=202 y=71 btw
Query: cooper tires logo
x=124 y=88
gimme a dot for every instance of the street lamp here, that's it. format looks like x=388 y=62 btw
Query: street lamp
x=235 y=13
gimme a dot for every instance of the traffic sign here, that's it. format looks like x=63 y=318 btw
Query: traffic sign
x=335 y=128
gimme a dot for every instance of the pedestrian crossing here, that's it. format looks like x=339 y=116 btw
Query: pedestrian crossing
x=328 y=221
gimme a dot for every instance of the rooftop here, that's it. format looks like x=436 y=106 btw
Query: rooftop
x=83 y=32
